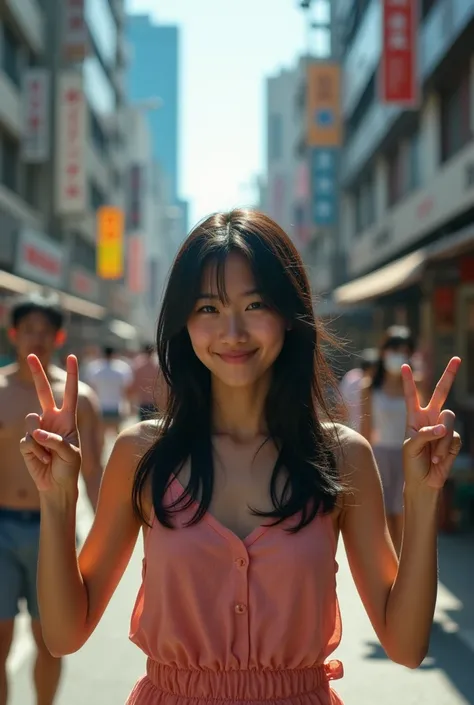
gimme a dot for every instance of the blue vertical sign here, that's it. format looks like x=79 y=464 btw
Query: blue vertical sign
x=324 y=185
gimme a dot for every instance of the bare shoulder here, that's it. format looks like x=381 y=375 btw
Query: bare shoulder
x=139 y=438
x=353 y=453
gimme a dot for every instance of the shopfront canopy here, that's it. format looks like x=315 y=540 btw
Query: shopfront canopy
x=394 y=276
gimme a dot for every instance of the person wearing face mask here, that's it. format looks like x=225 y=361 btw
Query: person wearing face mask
x=383 y=422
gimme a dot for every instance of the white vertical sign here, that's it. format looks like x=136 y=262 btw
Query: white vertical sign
x=35 y=114
x=71 y=181
x=75 y=35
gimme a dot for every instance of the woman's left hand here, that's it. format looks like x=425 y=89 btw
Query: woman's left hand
x=432 y=444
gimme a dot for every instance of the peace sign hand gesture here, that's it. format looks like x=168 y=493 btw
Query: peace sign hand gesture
x=51 y=446
x=432 y=444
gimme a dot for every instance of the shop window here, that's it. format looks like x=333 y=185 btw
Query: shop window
x=32 y=184
x=365 y=103
x=97 y=197
x=352 y=22
x=84 y=253
x=395 y=175
x=10 y=163
x=116 y=179
x=413 y=162
x=456 y=115
x=365 y=204
x=11 y=55
x=99 y=137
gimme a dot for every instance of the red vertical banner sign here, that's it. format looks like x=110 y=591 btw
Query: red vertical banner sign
x=399 y=63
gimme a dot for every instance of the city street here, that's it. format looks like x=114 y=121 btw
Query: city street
x=105 y=670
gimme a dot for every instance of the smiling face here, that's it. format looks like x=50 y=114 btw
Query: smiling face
x=36 y=334
x=240 y=339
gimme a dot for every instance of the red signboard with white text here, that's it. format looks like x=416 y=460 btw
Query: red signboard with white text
x=398 y=70
x=39 y=258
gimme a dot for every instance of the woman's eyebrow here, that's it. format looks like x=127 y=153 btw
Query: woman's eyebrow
x=251 y=292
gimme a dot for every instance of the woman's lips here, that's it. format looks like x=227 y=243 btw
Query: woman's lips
x=237 y=357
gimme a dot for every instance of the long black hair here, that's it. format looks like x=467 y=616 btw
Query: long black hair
x=395 y=337
x=295 y=406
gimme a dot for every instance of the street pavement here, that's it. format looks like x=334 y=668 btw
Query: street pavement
x=105 y=670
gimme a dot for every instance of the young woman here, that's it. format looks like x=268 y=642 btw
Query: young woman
x=241 y=491
x=383 y=422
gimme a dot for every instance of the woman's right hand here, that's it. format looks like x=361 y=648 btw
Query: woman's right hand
x=51 y=447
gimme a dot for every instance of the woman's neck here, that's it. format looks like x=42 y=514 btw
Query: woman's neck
x=239 y=412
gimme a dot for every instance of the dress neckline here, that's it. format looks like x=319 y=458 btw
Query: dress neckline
x=218 y=526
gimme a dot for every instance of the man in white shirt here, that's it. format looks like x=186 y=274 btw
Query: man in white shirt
x=111 y=379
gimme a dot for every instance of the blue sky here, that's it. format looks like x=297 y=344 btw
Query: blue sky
x=228 y=47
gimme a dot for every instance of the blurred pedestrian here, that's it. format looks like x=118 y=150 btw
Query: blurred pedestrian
x=36 y=328
x=148 y=388
x=384 y=419
x=241 y=491
x=352 y=384
x=111 y=379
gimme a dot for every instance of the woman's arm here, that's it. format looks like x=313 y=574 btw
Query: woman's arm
x=399 y=598
x=73 y=593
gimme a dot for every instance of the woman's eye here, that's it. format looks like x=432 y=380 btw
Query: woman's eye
x=207 y=309
x=255 y=306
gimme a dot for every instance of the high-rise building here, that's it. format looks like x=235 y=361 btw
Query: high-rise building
x=282 y=134
x=151 y=247
x=62 y=99
x=153 y=71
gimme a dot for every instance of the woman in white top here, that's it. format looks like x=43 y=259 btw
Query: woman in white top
x=383 y=422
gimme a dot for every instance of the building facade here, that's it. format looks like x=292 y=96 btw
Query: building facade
x=62 y=101
x=153 y=45
x=304 y=140
x=407 y=211
x=151 y=247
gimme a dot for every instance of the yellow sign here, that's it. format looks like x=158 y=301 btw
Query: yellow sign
x=110 y=245
x=324 y=119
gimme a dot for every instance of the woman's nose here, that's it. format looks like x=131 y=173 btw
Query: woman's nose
x=234 y=329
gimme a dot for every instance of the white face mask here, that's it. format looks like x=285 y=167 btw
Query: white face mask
x=393 y=362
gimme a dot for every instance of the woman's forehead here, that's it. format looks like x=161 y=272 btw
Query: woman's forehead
x=231 y=274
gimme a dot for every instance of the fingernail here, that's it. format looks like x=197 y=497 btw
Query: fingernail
x=46 y=459
x=439 y=430
x=435 y=460
x=41 y=435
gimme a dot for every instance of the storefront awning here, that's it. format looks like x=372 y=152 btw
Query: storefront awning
x=123 y=330
x=82 y=307
x=18 y=285
x=452 y=245
x=394 y=276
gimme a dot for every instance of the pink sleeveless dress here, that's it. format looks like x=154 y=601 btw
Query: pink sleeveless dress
x=228 y=621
